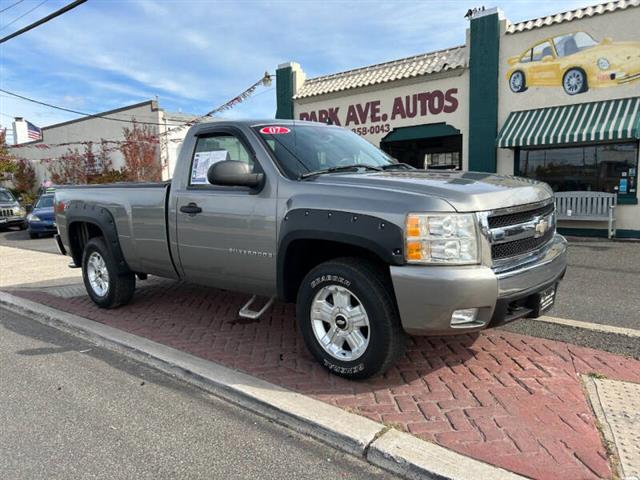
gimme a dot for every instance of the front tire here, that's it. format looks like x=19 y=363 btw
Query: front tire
x=33 y=236
x=105 y=285
x=574 y=81
x=517 y=82
x=348 y=318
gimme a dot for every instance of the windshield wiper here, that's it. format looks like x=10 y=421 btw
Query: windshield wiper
x=398 y=166
x=340 y=168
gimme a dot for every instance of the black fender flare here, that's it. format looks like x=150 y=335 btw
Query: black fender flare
x=376 y=235
x=101 y=218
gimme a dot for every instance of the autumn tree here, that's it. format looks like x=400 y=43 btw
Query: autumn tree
x=70 y=168
x=7 y=161
x=140 y=152
x=24 y=176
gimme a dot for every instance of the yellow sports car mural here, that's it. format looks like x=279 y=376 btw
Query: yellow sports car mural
x=577 y=62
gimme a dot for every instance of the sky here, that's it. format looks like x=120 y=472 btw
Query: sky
x=195 y=55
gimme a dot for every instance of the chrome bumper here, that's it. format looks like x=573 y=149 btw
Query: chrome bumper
x=542 y=269
x=428 y=295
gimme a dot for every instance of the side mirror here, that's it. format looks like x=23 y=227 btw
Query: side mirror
x=606 y=41
x=232 y=173
x=547 y=58
x=20 y=199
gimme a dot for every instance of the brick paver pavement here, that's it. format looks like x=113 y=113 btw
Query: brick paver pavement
x=507 y=399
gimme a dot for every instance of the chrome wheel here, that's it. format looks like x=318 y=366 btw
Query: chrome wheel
x=516 y=82
x=573 y=82
x=98 y=274
x=340 y=323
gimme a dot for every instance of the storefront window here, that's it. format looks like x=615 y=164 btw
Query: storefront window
x=443 y=161
x=609 y=168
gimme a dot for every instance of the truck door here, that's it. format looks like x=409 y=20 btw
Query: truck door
x=227 y=235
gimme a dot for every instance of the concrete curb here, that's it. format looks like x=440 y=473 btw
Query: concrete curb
x=398 y=452
x=595 y=327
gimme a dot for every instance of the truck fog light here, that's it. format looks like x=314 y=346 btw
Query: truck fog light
x=463 y=317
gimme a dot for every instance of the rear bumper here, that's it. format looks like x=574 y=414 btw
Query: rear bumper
x=427 y=296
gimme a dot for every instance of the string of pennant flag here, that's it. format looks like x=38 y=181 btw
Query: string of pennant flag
x=162 y=136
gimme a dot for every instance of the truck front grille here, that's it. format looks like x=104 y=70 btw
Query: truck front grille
x=519 y=247
x=496 y=221
x=517 y=231
x=6 y=212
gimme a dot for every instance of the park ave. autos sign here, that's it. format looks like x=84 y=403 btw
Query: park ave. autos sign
x=375 y=116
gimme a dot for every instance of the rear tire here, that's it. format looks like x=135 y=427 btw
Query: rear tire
x=517 y=82
x=347 y=315
x=105 y=286
x=33 y=236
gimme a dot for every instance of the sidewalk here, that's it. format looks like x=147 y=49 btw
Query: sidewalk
x=511 y=400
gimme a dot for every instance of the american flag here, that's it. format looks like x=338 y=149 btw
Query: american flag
x=33 y=132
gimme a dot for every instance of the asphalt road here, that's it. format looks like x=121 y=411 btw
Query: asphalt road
x=602 y=284
x=20 y=239
x=69 y=409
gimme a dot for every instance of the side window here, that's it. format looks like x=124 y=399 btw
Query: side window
x=211 y=149
x=540 y=51
x=526 y=58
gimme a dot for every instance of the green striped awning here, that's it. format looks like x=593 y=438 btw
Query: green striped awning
x=583 y=122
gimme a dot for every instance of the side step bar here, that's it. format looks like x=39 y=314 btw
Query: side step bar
x=246 y=312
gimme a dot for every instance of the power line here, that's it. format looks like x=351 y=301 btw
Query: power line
x=11 y=6
x=77 y=112
x=23 y=15
x=51 y=16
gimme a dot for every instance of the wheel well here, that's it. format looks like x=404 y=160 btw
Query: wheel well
x=303 y=255
x=79 y=234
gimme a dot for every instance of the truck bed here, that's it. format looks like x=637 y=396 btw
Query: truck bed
x=139 y=211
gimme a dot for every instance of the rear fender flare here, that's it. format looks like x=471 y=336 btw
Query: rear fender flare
x=103 y=219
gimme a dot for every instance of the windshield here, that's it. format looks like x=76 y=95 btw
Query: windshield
x=45 y=202
x=573 y=43
x=301 y=149
x=6 y=196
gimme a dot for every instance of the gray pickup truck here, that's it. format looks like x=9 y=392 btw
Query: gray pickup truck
x=369 y=249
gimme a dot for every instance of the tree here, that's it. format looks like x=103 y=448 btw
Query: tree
x=140 y=152
x=24 y=176
x=70 y=168
x=7 y=161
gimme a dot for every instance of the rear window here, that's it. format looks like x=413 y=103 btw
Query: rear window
x=45 y=201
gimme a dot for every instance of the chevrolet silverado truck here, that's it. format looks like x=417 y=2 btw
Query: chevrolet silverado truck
x=370 y=250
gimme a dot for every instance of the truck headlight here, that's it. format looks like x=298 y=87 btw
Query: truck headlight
x=603 y=63
x=441 y=239
x=20 y=212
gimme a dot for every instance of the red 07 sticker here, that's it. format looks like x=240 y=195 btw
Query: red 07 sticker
x=274 y=130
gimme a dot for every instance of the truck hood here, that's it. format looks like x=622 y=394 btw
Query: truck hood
x=465 y=191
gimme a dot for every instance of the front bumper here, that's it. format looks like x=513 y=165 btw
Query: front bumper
x=43 y=227
x=428 y=295
x=12 y=221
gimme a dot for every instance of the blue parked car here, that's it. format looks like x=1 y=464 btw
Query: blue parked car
x=42 y=220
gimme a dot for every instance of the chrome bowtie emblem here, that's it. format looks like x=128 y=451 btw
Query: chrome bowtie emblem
x=541 y=227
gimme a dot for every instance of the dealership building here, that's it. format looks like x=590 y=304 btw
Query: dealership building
x=555 y=99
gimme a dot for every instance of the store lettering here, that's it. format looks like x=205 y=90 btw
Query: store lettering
x=407 y=106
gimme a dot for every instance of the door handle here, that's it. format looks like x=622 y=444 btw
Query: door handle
x=191 y=209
